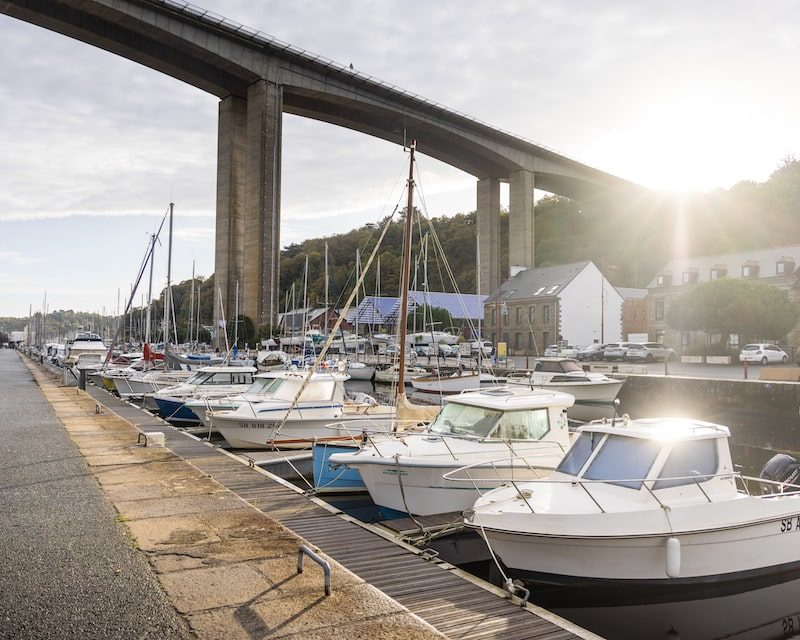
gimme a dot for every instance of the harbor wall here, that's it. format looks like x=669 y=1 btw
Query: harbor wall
x=761 y=414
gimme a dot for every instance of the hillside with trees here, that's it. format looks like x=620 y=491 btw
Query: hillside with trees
x=629 y=239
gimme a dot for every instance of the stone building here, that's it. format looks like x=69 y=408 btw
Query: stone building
x=776 y=266
x=635 y=316
x=572 y=303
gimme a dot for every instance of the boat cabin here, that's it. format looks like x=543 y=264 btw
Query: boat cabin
x=504 y=414
x=651 y=455
x=210 y=376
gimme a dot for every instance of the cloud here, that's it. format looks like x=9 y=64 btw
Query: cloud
x=17 y=258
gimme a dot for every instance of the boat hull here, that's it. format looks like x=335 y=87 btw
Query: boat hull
x=335 y=478
x=727 y=554
x=174 y=411
x=302 y=428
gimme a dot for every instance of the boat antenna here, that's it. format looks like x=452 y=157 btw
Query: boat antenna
x=406 y=270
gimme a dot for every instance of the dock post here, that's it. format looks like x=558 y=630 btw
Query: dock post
x=745 y=369
x=82 y=380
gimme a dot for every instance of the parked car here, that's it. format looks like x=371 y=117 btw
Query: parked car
x=592 y=352
x=422 y=350
x=763 y=353
x=484 y=345
x=565 y=351
x=616 y=350
x=447 y=350
x=649 y=352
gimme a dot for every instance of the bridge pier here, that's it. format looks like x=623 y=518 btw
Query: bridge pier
x=488 y=222
x=248 y=204
x=520 y=220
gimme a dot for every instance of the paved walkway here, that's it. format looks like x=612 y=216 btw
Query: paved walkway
x=219 y=568
x=68 y=568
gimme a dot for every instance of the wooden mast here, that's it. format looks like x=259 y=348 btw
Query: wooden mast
x=406 y=272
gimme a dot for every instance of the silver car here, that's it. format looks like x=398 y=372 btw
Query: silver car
x=649 y=352
x=616 y=350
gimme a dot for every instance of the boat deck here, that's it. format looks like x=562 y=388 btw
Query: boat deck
x=457 y=604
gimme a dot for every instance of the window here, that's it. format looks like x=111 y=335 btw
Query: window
x=663 y=280
x=750 y=271
x=553 y=289
x=494 y=317
x=545 y=337
x=686 y=338
x=538 y=292
x=522 y=425
x=530 y=343
x=579 y=453
x=519 y=315
x=518 y=341
x=531 y=311
x=689 y=277
x=717 y=273
x=687 y=462
x=780 y=267
x=546 y=315
x=623 y=461
x=455 y=418
x=659 y=303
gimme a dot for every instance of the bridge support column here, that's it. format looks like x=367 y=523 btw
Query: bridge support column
x=229 y=248
x=520 y=220
x=262 y=203
x=488 y=221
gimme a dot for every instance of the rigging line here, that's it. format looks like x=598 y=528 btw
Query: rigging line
x=321 y=357
x=142 y=267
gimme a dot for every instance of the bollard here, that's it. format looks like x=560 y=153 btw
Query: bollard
x=666 y=366
x=82 y=380
x=745 y=369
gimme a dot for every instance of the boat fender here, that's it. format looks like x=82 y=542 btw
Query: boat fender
x=673 y=564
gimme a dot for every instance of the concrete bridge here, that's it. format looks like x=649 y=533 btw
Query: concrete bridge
x=257 y=79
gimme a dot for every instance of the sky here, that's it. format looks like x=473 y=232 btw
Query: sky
x=675 y=95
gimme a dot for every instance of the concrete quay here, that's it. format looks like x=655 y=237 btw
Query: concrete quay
x=221 y=541
x=84 y=498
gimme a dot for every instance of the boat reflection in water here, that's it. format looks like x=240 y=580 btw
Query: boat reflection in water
x=767 y=613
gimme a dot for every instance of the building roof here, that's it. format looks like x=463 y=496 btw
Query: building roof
x=629 y=293
x=766 y=259
x=540 y=282
x=294 y=319
x=385 y=310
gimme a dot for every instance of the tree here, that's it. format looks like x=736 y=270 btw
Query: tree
x=734 y=305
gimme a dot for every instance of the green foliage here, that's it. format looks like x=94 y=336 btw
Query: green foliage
x=734 y=305
x=246 y=331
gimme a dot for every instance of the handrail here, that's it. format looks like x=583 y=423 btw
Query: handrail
x=646 y=483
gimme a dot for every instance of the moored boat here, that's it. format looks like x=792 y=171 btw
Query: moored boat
x=653 y=505
x=405 y=474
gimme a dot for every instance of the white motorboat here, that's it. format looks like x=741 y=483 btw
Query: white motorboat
x=652 y=504
x=390 y=375
x=141 y=383
x=298 y=413
x=208 y=382
x=405 y=473
x=455 y=382
x=565 y=374
x=360 y=370
x=86 y=343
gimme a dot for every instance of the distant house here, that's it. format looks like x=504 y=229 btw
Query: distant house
x=571 y=303
x=635 y=316
x=777 y=266
x=305 y=319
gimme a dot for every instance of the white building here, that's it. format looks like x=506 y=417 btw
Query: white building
x=572 y=303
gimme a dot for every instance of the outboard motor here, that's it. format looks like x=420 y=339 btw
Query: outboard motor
x=780 y=468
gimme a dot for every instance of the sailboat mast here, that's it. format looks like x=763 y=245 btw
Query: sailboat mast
x=406 y=271
x=150 y=288
x=327 y=284
x=191 y=308
x=168 y=294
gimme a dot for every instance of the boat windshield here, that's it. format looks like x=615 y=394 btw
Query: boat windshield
x=480 y=422
x=558 y=366
x=618 y=460
x=264 y=386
